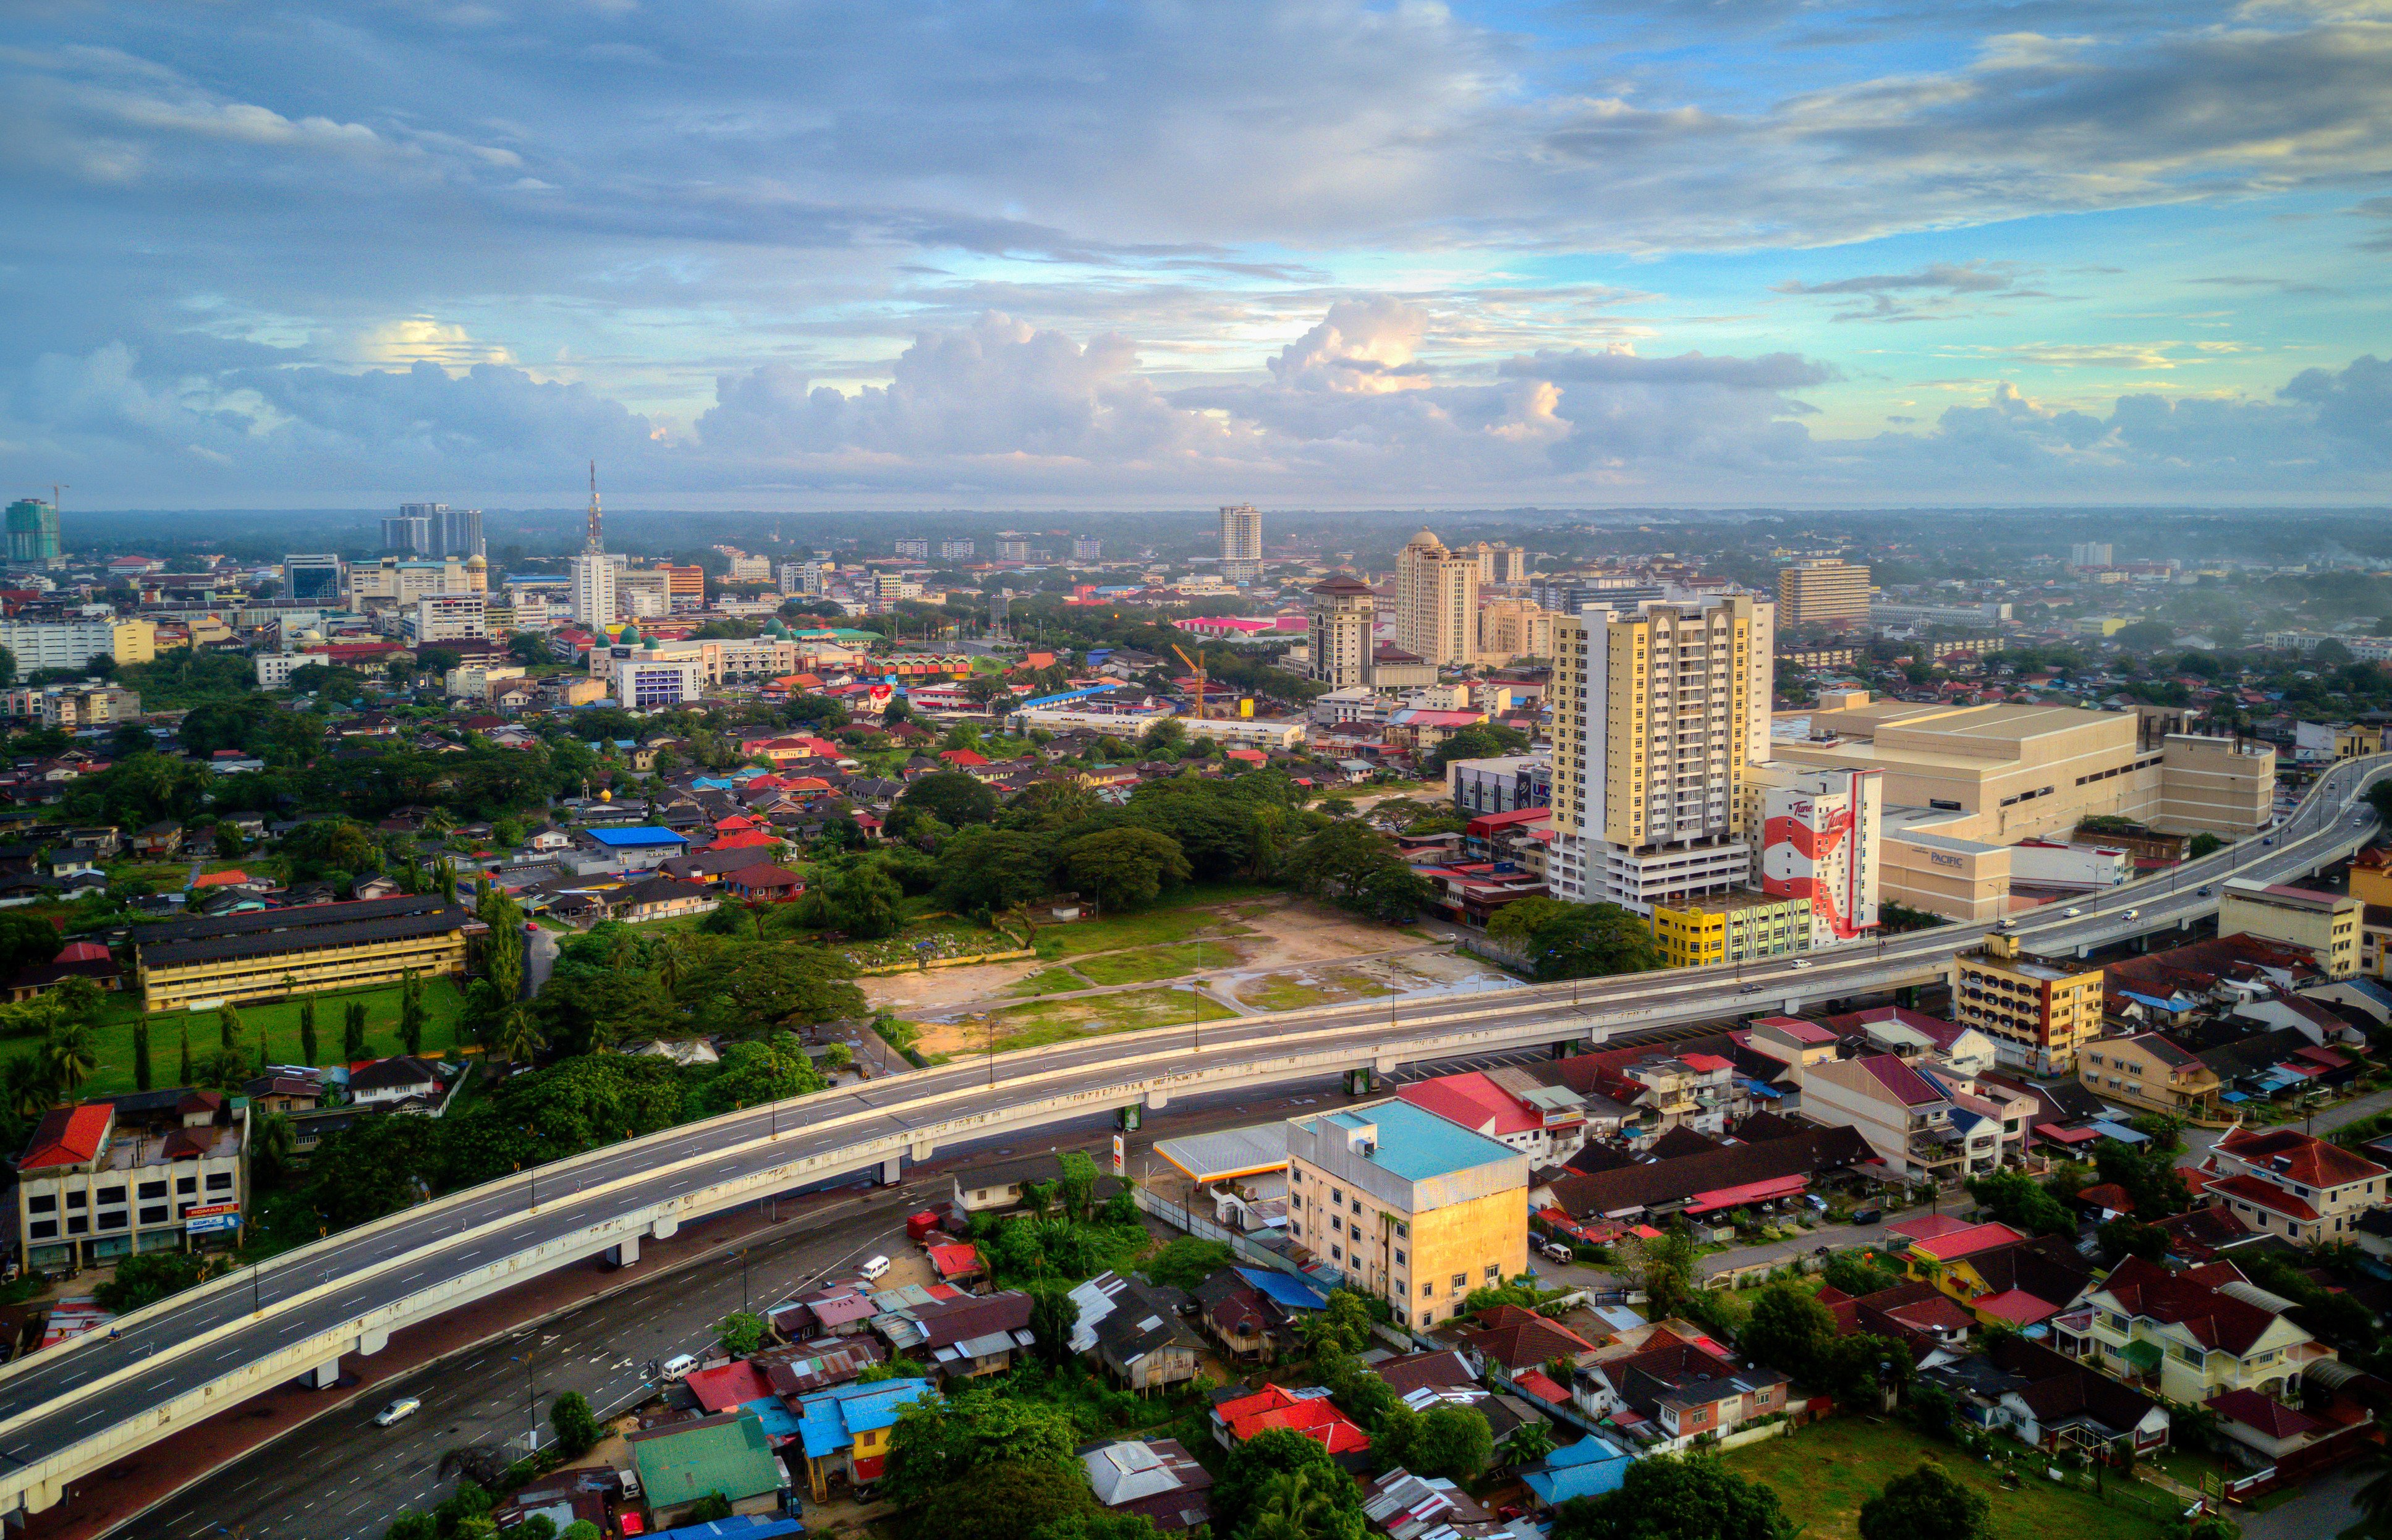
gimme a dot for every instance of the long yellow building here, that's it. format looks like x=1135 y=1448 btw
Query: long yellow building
x=276 y=953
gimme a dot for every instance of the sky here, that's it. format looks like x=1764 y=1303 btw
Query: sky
x=778 y=254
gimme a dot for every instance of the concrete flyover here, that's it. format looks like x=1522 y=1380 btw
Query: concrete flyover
x=66 y=1412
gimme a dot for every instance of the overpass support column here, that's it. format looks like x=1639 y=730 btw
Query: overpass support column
x=919 y=1152
x=323 y=1376
x=893 y=1171
x=1386 y=1063
x=623 y=1253
x=1156 y=1098
x=372 y=1341
x=664 y=1228
x=41 y=1496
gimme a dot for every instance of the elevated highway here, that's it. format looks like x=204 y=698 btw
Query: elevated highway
x=72 y=1409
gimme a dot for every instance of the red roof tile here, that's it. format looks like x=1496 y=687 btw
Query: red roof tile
x=68 y=1136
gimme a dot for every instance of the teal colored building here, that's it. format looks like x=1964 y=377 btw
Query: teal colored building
x=32 y=530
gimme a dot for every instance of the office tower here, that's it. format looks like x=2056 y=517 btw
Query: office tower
x=1499 y=562
x=1341 y=631
x=593 y=574
x=312 y=577
x=1822 y=593
x=1657 y=711
x=799 y=577
x=1436 y=602
x=454 y=531
x=956 y=550
x=1242 y=541
x=751 y=569
x=1087 y=547
x=2092 y=553
x=408 y=532
x=1569 y=595
x=1012 y=551
x=32 y=530
x=914 y=550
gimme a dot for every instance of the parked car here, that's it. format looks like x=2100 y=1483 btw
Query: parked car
x=1867 y=1216
x=397 y=1411
x=874 y=1269
x=1555 y=1251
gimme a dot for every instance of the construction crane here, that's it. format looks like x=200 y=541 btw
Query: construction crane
x=1195 y=666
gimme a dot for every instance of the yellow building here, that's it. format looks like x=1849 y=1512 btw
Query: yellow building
x=1413 y=1208
x=2325 y=924
x=2147 y=1070
x=132 y=641
x=2358 y=742
x=1733 y=927
x=1822 y=593
x=2371 y=875
x=1515 y=628
x=272 y=954
x=1656 y=714
x=2039 y=1013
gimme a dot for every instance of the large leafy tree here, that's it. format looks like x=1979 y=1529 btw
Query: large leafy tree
x=749 y=988
x=754 y=1073
x=1244 y=1485
x=942 y=1439
x=1124 y=868
x=1927 y=1503
x=1788 y=1328
x=1486 y=741
x=2016 y=1198
x=950 y=797
x=1592 y=941
x=863 y=900
x=982 y=870
x=1670 y=1497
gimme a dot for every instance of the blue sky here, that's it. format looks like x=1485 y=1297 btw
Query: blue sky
x=764 y=255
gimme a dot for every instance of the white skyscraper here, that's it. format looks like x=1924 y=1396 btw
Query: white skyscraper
x=594 y=574
x=1242 y=541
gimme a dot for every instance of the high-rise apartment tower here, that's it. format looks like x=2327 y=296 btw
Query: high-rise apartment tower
x=1436 y=602
x=1822 y=593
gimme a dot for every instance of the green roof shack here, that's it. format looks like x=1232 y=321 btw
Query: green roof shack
x=726 y=1453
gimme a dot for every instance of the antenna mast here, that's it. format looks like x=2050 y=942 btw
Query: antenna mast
x=596 y=544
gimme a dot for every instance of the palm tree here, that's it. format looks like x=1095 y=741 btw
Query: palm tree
x=27 y=1085
x=1291 y=1508
x=2374 y=1499
x=70 y=1056
x=518 y=1037
x=1527 y=1443
x=672 y=961
x=270 y=1147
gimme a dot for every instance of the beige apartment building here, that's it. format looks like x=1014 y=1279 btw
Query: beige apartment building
x=2148 y=1071
x=2039 y=1012
x=2324 y=924
x=1822 y=593
x=2012 y=772
x=1498 y=562
x=1510 y=628
x=1657 y=713
x=2283 y=1181
x=1340 y=651
x=1412 y=1207
x=1436 y=602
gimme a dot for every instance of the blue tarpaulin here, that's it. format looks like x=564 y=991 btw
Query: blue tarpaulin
x=1283 y=1288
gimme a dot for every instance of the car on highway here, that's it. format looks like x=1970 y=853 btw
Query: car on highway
x=2070 y=913
x=2269 y=840
x=1802 y=961
x=2202 y=893
x=1750 y=989
x=397 y=1411
x=677 y=1368
x=2133 y=914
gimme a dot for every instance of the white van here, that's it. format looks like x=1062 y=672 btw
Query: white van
x=675 y=1369
x=874 y=1269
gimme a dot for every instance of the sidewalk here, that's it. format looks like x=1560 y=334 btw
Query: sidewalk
x=116 y=1493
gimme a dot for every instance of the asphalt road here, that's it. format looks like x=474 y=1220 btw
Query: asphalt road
x=52 y=1407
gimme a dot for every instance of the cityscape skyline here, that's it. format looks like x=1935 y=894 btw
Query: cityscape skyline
x=1819 y=257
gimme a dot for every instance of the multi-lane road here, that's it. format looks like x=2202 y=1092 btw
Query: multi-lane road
x=66 y=1411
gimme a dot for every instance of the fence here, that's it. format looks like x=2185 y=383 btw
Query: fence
x=1179 y=1216
x=1497 y=953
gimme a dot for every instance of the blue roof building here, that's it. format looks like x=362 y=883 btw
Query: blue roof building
x=845 y=1431
x=1283 y=1288
x=643 y=837
x=1587 y=1468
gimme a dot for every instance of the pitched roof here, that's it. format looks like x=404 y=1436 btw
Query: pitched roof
x=1519 y=1338
x=2263 y=1413
x=727 y=1454
x=68 y=1136
x=1625 y=1189
x=2214 y=1319
x=1956 y=1244
x=2311 y=1162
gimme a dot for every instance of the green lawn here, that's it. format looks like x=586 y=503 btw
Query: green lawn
x=951 y=936
x=1063 y=1020
x=1286 y=991
x=1049 y=981
x=1189 y=913
x=1145 y=965
x=280 y=1020
x=1824 y=1473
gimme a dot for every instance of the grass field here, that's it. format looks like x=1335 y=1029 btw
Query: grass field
x=1824 y=1473
x=1147 y=964
x=1049 y=981
x=1036 y=1024
x=1189 y=913
x=112 y=1037
x=1289 y=991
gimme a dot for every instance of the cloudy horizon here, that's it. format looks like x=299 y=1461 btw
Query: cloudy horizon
x=1667 y=253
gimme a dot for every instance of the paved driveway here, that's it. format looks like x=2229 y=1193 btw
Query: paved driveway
x=2323 y=1508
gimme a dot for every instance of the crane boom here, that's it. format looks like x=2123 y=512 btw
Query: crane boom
x=1196 y=668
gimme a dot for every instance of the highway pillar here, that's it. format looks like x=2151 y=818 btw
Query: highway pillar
x=893 y=1171
x=323 y=1376
x=623 y=1253
x=663 y=1229
x=920 y=1152
x=41 y=1496
x=1156 y=1098
x=371 y=1341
